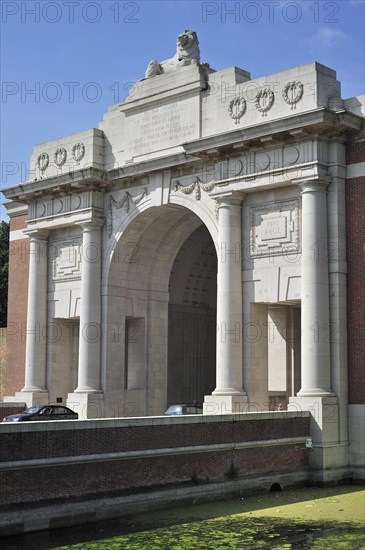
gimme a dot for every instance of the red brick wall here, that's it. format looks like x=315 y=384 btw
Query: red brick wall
x=355 y=224
x=115 y=477
x=17 y=308
x=355 y=153
x=2 y=360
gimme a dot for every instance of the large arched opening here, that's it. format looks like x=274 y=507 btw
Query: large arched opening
x=160 y=310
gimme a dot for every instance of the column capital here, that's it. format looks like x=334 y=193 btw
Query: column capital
x=313 y=185
x=232 y=198
x=91 y=225
x=37 y=234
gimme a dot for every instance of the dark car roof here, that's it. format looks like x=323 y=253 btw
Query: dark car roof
x=38 y=408
x=191 y=404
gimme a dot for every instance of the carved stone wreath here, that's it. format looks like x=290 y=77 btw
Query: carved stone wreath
x=43 y=161
x=125 y=201
x=237 y=108
x=293 y=92
x=60 y=156
x=196 y=186
x=264 y=100
x=78 y=151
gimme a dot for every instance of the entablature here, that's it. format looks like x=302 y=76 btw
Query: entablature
x=244 y=153
x=80 y=180
x=323 y=123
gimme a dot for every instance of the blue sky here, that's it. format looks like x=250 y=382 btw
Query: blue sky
x=63 y=62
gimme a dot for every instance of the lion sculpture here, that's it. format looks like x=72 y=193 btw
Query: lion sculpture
x=187 y=53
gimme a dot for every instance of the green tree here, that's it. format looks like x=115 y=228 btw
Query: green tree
x=4 y=268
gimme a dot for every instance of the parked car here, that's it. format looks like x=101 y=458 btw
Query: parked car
x=44 y=412
x=184 y=408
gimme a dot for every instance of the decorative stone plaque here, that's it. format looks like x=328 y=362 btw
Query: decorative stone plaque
x=274 y=229
x=161 y=127
x=66 y=259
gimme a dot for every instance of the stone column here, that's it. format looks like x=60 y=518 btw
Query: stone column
x=316 y=394
x=337 y=268
x=36 y=339
x=315 y=355
x=90 y=309
x=228 y=395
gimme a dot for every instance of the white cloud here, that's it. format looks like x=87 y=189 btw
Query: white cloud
x=328 y=36
x=356 y=3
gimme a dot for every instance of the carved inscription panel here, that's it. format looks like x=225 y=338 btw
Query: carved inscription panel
x=274 y=229
x=161 y=127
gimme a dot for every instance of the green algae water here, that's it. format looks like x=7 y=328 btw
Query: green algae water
x=322 y=519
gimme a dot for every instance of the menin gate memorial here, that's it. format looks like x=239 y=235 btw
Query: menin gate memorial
x=193 y=247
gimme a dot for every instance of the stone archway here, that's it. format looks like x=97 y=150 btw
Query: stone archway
x=136 y=294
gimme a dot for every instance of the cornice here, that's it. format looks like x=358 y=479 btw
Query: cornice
x=85 y=179
x=14 y=209
x=296 y=126
x=318 y=124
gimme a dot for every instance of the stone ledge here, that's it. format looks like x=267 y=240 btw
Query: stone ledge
x=149 y=453
x=61 y=425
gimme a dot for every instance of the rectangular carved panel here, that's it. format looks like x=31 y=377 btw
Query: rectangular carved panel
x=66 y=259
x=274 y=229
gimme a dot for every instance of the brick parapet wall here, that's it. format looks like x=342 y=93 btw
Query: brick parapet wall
x=167 y=452
x=17 y=308
x=38 y=444
x=355 y=237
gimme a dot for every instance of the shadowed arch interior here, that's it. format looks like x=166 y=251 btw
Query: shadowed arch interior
x=192 y=319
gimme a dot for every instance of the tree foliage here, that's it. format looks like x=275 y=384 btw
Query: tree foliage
x=4 y=269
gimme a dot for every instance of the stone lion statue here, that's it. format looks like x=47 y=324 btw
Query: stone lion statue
x=187 y=53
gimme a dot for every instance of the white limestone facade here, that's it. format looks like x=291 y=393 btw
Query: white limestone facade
x=193 y=247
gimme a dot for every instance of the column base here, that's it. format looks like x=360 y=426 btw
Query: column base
x=224 y=404
x=31 y=398
x=315 y=392
x=228 y=391
x=87 y=405
x=87 y=389
x=328 y=451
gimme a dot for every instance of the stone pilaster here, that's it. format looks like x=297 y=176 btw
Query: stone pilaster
x=316 y=393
